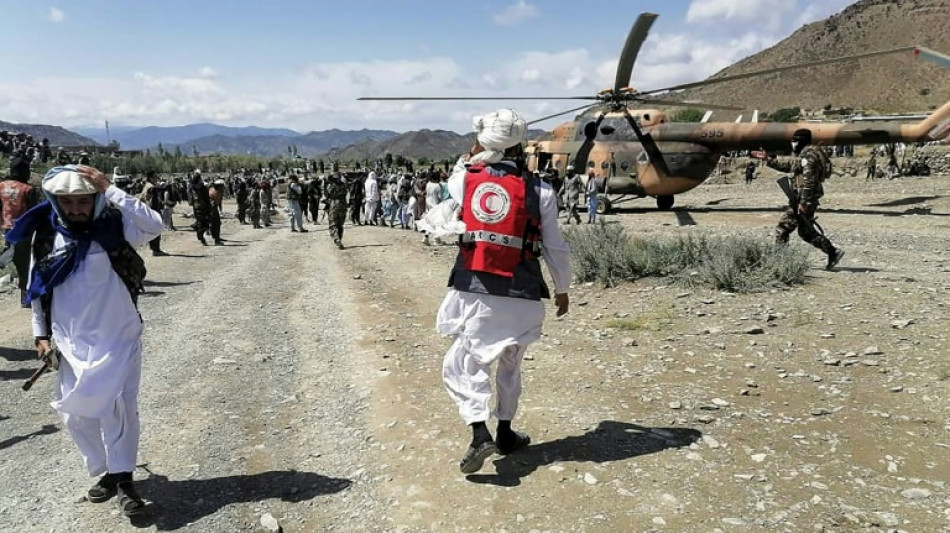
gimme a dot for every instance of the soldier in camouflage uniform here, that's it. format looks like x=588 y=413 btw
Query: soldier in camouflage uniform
x=335 y=191
x=811 y=169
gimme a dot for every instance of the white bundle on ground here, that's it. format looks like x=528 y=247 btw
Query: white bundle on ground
x=442 y=220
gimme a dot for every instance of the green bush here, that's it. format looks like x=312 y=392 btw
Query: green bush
x=737 y=263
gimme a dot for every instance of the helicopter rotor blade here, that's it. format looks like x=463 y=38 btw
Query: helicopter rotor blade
x=699 y=105
x=631 y=49
x=414 y=98
x=777 y=69
x=542 y=119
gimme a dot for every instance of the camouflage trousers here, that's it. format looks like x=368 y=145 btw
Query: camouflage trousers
x=336 y=213
x=790 y=222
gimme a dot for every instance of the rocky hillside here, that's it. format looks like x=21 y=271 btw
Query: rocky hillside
x=896 y=83
x=309 y=145
x=430 y=144
x=57 y=136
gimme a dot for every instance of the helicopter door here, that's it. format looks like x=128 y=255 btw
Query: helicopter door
x=544 y=161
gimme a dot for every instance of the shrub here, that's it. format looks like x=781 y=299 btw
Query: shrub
x=737 y=263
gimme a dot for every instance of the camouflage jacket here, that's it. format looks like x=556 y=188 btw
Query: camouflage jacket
x=811 y=169
x=335 y=188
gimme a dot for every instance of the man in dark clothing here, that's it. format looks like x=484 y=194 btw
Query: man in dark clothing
x=153 y=197
x=810 y=167
x=356 y=199
x=201 y=202
x=315 y=192
x=241 y=195
x=335 y=189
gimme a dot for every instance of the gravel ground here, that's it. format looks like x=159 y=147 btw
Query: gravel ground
x=283 y=376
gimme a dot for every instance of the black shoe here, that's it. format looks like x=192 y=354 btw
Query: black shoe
x=339 y=244
x=294 y=230
x=159 y=253
x=304 y=231
x=218 y=242
x=204 y=242
x=509 y=444
x=834 y=258
x=475 y=457
x=104 y=489
x=130 y=503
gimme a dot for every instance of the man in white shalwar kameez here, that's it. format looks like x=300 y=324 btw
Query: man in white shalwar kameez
x=371 y=199
x=493 y=318
x=95 y=325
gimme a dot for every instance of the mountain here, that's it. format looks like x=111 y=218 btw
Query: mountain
x=886 y=84
x=309 y=145
x=141 y=138
x=430 y=144
x=57 y=136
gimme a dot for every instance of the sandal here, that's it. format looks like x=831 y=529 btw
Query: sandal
x=475 y=457
x=521 y=440
x=103 y=490
x=130 y=503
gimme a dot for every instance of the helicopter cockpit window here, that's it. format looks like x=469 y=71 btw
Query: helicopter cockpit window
x=591 y=164
x=604 y=165
x=559 y=164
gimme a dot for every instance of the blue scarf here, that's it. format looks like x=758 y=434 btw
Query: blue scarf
x=48 y=272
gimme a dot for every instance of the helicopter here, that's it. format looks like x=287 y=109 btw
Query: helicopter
x=634 y=153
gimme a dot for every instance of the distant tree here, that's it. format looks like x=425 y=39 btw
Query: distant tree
x=321 y=165
x=827 y=107
x=400 y=161
x=786 y=114
x=388 y=160
x=194 y=150
x=178 y=154
x=688 y=114
x=161 y=150
x=423 y=161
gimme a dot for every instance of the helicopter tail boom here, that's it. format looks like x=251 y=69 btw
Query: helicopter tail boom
x=722 y=136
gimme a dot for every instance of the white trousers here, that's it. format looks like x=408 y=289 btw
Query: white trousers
x=468 y=382
x=111 y=443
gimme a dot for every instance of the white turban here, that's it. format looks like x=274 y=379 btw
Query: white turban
x=67 y=183
x=496 y=132
x=499 y=130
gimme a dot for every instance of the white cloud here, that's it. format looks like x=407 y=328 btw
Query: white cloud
x=516 y=13
x=208 y=73
x=55 y=15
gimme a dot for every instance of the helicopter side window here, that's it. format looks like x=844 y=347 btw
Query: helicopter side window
x=604 y=165
x=591 y=164
x=624 y=165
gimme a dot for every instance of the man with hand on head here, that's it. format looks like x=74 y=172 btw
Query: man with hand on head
x=493 y=308
x=83 y=287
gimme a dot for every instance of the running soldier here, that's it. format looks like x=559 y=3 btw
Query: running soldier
x=811 y=169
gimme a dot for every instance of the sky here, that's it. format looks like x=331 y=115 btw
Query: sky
x=301 y=64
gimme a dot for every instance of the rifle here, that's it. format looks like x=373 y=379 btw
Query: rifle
x=785 y=184
x=50 y=360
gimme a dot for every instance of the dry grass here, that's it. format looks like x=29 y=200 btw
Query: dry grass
x=736 y=263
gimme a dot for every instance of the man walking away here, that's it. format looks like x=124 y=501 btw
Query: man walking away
x=83 y=287
x=335 y=192
x=295 y=195
x=152 y=196
x=493 y=307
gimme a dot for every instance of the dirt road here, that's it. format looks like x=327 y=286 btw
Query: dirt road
x=284 y=376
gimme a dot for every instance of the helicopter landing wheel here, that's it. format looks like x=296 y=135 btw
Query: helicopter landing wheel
x=665 y=203
x=603 y=206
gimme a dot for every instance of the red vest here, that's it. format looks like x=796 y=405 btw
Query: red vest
x=500 y=232
x=14 y=196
